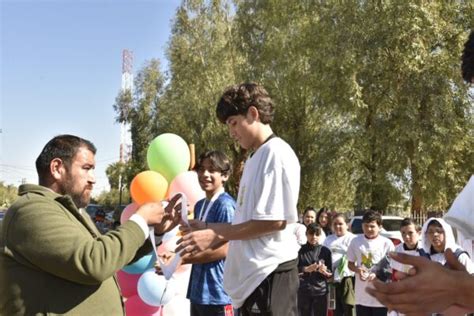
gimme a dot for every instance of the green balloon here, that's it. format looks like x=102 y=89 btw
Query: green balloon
x=169 y=155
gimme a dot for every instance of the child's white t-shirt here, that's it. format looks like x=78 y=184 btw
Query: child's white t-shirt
x=268 y=190
x=367 y=252
x=339 y=246
x=400 y=266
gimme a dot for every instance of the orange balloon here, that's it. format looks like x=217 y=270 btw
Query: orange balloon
x=148 y=186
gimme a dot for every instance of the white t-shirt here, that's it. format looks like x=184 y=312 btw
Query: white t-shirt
x=367 y=252
x=268 y=190
x=339 y=246
x=400 y=266
x=300 y=234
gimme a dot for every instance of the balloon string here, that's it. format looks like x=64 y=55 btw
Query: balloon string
x=164 y=292
x=170 y=268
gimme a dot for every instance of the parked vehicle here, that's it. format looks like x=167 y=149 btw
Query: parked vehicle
x=390 y=227
x=102 y=219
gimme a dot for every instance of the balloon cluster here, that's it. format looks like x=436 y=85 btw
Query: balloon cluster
x=168 y=159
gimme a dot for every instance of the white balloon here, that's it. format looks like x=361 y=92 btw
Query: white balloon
x=154 y=289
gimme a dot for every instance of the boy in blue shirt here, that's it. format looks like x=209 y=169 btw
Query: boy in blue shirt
x=206 y=290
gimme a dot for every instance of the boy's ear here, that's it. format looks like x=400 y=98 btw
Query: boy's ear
x=252 y=112
x=224 y=177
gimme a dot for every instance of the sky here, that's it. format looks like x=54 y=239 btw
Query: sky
x=61 y=68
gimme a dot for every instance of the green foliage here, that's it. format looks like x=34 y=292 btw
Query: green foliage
x=8 y=194
x=203 y=62
x=140 y=112
x=111 y=199
x=369 y=94
x=116 y=173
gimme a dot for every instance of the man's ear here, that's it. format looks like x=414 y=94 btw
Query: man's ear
x=57 y=168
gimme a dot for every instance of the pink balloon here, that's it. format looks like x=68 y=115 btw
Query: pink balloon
x=128 y=211
x=187 y=182
x=128 y=283
x=134 y=306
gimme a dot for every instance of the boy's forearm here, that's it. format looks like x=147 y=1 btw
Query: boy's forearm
x=351 y=265
x=247 y=230
x=208 y=255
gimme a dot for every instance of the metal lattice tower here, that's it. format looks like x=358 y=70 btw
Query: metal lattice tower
x=127 y=84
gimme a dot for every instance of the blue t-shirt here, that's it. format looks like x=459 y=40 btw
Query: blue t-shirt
x=206 y=284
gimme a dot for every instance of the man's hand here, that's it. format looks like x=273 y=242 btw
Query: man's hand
x=171 y=217
x=430 y=288
x=196 y=241
x=152 y=212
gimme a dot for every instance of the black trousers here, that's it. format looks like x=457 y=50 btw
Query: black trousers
x=276 y=295
x=313 y=305
x=362 y=310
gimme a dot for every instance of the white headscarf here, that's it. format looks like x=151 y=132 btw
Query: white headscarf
x=450 y=242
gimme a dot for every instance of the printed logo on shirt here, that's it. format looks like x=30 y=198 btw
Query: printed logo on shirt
x=367 y=260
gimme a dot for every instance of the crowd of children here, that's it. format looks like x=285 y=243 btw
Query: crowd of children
x=335 y=266
x=346 y=263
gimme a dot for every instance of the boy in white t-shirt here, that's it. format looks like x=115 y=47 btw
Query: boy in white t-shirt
x=410 y=232
x=260 y=274
x=364 y=253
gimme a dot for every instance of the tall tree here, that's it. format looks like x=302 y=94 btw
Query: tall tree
x=203 y=62
x=8 y=194
x=140 y=110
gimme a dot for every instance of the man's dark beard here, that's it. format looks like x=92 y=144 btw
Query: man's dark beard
x=79 y=200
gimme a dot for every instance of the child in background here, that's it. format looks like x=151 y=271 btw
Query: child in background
x=365 y=252
x=410 y=232
x=314 y=265
x=343 y=278
x=437 y=237
x=206 y=288
x=309 y=216
x=323 y=218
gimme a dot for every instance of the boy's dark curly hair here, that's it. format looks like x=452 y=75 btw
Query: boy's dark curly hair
x=467 y=65
x=237 y=99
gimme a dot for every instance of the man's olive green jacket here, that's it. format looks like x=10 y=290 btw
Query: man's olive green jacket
x=54 y=261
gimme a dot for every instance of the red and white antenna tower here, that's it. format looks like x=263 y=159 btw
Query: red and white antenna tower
x=127 y=85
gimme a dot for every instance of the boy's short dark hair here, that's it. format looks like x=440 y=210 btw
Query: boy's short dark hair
x=219 y=161
x=467 y=64
x=237 y=99
x=63 y=147
x=314 y=228
x=307 y=209
x=435 y=223
x=407 y=221
x=339 y=215
x=371 y=216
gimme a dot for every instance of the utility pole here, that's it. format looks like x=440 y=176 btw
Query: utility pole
x=125 y=133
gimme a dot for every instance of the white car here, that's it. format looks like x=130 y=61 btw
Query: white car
x=390 y=227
